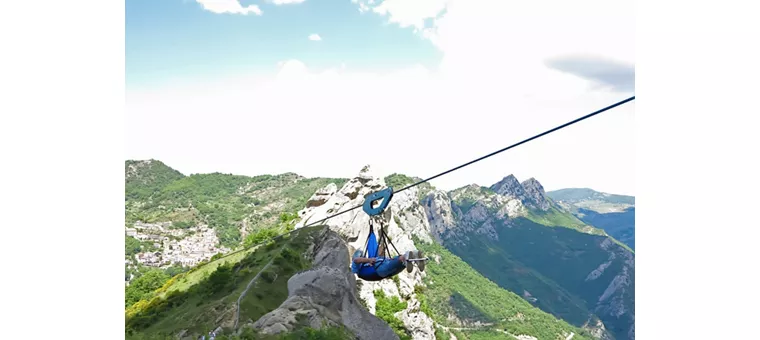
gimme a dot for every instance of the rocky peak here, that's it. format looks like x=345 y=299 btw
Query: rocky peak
x=529 y=192
x=534 y=192
x=509 y=186
x=322 y=195
x=366 y=174
x=404 y=219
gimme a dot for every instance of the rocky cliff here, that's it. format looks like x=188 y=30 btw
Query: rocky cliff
x=324 y=295
x=514 y=221
x=404 y=219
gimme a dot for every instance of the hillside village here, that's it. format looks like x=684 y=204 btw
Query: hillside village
x=184 y=247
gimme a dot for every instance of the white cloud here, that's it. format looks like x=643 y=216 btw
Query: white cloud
x=492 y=89
x=286 y=2
x=409 y=13
x=315 y=37
x=228 y=6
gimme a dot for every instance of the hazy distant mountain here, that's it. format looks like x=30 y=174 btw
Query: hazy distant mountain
x=616 y=214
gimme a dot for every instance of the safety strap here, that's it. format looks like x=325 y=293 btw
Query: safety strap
x=384 y=240
x=387 y=240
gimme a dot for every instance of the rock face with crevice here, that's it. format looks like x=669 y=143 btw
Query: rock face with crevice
x=324 y=295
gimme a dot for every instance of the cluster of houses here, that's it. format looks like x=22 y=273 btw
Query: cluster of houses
x=186 y=247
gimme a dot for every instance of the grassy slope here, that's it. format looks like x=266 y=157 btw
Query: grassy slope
x=198 y=307
x=455 y=288
x=550 y=263
x=556 y=218
x=197 y=274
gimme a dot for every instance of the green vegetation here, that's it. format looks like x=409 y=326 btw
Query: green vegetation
x=303 y=333
x=468 y=196
x=455 y=288
x=133 y=246
x=441 y=334
x=385 y=308
x=145 y=178
x=556 y=218
x=144 y=285
x=552 y=264
x=203 y=270
x=399 y=181
x=491 y=335
x=197 y=307
x=157 y=193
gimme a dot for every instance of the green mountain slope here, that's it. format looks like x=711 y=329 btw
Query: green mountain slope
x=620 y=225
x=144 y=178
x=454 y=288
x=522 y=240
x=196 y=304
x=227 y=203
x=550 y=267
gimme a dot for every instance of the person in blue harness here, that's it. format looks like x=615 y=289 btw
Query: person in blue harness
x=380 y=267
x=376 y=267
x=373 y=265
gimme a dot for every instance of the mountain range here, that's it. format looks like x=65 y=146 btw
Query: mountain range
x=616 y=214
x=507 y=260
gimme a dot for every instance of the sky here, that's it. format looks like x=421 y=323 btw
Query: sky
x=324 y=87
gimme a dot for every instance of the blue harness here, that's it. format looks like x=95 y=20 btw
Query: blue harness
x=366 y=271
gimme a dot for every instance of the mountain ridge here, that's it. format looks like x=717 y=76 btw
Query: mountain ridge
x=409 y=227
x=509 y=238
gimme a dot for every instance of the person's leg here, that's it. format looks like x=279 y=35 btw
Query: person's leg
x=389 y=267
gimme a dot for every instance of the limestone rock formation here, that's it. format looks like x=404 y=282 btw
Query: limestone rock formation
x=405 y=219
x=325 y=295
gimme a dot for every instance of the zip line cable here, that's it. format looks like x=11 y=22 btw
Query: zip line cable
x=520 y=143
x=489 y=155
x=450 y=170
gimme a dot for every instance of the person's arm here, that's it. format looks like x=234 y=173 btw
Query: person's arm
x=364 y=260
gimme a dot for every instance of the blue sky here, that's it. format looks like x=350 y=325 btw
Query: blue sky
x=170 y=39
x=445 y=80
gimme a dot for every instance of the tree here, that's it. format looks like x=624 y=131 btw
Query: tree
x=142 y=286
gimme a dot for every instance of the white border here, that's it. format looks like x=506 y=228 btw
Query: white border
x=62 y=82
x=62 y=98
x=695 y=233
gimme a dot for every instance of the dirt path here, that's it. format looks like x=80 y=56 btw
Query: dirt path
x=242 y=295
